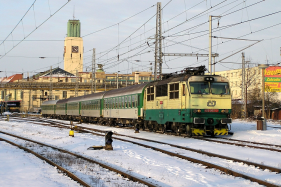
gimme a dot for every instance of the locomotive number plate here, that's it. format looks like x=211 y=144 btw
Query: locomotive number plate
x=211 y=110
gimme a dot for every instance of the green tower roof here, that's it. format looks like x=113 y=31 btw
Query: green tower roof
x=73 y=28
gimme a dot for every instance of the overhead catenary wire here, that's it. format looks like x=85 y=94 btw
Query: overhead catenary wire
x=34 y=30
x=262 y=16
x=18 y=22
x=119 y=47
x=119 y=22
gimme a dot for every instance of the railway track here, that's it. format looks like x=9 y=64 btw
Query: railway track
x=122 y=173
x=68 y=173
x=98 y=132
x=229 y=141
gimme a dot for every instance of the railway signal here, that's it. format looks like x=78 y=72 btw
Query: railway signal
x=137 y=128
x=108 y=140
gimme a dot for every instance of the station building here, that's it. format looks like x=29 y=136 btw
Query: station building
x=24 y=100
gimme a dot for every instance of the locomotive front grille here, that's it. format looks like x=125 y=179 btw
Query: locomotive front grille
x=199 y=121
x=226 y=120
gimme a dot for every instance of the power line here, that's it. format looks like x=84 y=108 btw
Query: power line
x=35 y=29
x=119 y=22
x=18 y=22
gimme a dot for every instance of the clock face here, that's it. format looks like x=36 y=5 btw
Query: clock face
x=75 y=49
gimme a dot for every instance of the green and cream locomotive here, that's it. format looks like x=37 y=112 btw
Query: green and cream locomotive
x=191 y=103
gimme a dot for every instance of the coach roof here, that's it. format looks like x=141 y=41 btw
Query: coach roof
x=125 y=91
x=51 y=102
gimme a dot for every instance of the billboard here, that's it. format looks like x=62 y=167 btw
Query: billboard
x=272 y=79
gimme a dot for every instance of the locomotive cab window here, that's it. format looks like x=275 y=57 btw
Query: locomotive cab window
x=220 y=88
x=199 y=88
x=150 y=93
x=161 y=90
x=174 y=91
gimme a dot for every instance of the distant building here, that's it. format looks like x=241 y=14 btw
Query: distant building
x=31 y=100
x=253 y=80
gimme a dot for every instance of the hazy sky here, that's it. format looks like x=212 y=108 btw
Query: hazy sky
x=185 y=29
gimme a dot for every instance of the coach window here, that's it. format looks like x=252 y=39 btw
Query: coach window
x=125 y=106
x=133 y=100
x=112 y=103
x=174 y=91
x=123 y=102
x=150 y=93
x=137 y=96
x=129 y=101
x=119 y=102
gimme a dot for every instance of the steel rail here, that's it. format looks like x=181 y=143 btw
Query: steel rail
x=209 y=165
x=239 y=144
x=258 y=143
x=71 y=175
x=273 y=169
x=126 y=175
x=209 y=139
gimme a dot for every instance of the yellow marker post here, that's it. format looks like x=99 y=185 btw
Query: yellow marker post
x=71 y=133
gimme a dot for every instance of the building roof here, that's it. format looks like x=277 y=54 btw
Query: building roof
x=56 y=72
x=11 y=78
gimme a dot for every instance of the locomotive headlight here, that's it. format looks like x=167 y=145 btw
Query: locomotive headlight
x=197 y=111
x=224 y=111
x=209 y=79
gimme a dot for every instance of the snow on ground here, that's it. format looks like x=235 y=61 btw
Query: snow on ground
x=19 y=168
x=162 y=169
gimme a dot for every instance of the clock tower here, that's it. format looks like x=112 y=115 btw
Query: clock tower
x=73 y=48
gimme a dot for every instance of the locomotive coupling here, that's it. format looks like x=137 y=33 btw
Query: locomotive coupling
x=108 y=140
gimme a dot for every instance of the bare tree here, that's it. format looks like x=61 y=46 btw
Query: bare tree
x=270 y=101
x=255 y=99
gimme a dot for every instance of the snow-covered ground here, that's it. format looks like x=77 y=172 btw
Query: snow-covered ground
x=19 y=168
x=151 y=165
